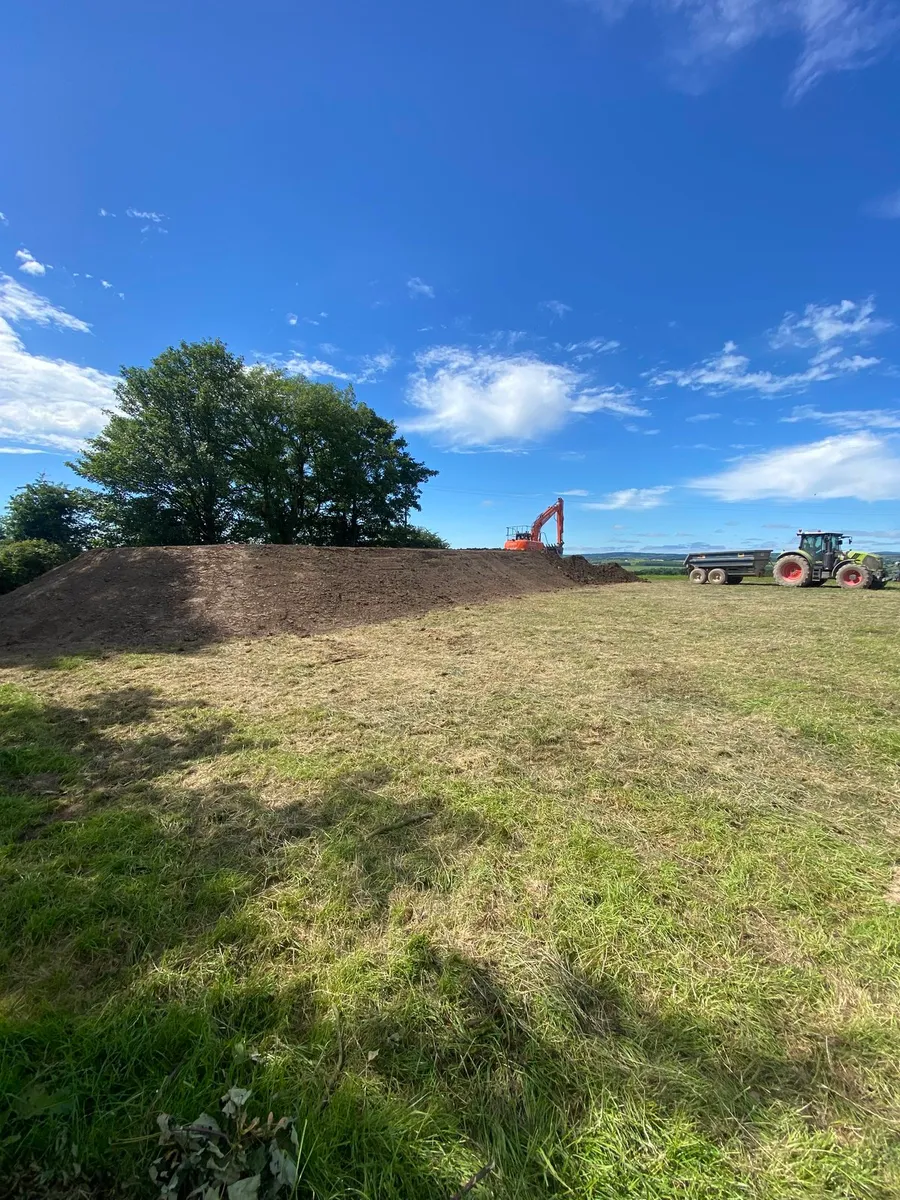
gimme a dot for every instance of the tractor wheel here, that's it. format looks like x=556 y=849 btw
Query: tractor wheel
x=698 y=575
x=852 y=575
x=735 y=579
x=717 y=575
x=793 y=570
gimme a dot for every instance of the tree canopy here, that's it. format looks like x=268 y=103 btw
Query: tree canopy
x=204 y=450
x=50 y=512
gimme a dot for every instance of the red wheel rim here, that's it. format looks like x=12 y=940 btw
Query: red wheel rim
x=853 y=578
x=791 y=571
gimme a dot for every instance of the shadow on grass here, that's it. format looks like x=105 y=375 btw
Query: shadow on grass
x=140 y=972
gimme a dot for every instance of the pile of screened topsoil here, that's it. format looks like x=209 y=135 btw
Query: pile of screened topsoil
x=181 y=596
x=581 y=570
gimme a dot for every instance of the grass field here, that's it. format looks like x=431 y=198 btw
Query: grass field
x=598 y=887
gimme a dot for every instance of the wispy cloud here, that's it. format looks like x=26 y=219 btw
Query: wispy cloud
x=46 y=401
x=730 y=371
x=575 y=492
x=291 y=318
x=703 y=417
x=29 y=264
x=635 y=498
x=102 y=212
x=142 y=215
x=857 y=466
x=555 y=308
x=821 y=324
x=313 y=368
x=585 y=350
x=21 y=450
x=418 y=287
x=18 y=303
x=848 y=418
x=834 y=35
x=470 y=399
x=820 y=328
x=105 y=283
x=4 y=220
x=374 y=365
x=887 y=207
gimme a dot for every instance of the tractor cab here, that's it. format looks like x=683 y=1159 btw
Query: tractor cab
x=822 y=549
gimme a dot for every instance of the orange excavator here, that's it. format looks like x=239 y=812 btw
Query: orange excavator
x=528 y=537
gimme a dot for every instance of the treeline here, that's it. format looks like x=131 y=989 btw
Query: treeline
x=203 y=450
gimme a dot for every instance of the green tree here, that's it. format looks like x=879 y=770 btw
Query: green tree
x=414 y=537
x=50 y=512
x=204 y=450
x=22 y=561
x=165 y=458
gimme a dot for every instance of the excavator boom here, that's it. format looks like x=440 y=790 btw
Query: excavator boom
x=530 y=539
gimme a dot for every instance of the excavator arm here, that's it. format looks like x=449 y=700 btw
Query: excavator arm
x=555 y=510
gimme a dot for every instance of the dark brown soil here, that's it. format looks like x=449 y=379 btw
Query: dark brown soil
x=180 y=596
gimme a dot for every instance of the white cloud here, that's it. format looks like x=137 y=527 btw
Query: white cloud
x=730 y=371
x=29 y=264
x=555 y=308
x=329 y=348
x=4 y=220
x=315 y=367
x=374 y=365
x=824 y=323
x=102 y=212
x=418 y=287
x=850 y=419
x=585 y=350
x=703 y=417
x=860 y=466
x=475 y=399
x=835 y=35
x=139 y=215
x=105 y=283
x=18 y=303
x=888 y=207
x=46 y=401
x=638 y=498
x=21 y=450
x=291 y=318
x=575 y=492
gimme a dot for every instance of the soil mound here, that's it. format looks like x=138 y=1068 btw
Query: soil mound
x=175 y=596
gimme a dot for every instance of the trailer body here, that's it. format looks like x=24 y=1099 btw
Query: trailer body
x=726 y=566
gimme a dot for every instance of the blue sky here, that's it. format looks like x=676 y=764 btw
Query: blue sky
x=642 y=253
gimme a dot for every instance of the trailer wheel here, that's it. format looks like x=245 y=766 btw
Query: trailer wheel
x=792 y=570
x=735 y=579
x=852 y=575
x=717 y=575
x=698 y=575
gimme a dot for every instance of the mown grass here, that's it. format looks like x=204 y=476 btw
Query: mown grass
x=637 y=942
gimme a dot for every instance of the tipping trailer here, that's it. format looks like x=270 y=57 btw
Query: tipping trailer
x=725 y=566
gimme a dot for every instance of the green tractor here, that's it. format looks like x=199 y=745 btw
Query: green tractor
x=820 y=556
